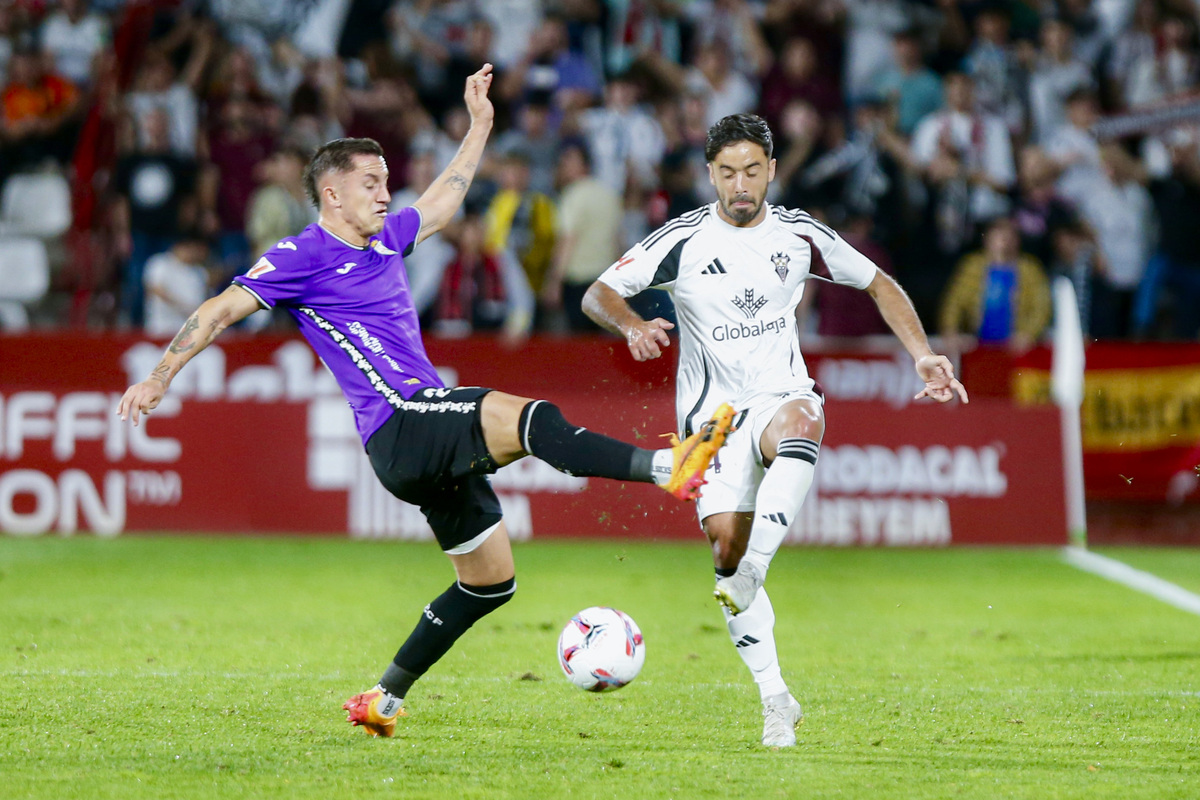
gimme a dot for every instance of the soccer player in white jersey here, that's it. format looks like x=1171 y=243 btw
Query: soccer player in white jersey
x=737 y=269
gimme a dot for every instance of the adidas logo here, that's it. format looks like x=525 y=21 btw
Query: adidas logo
x=746 y=641
x=779 y=518
x=715 y=268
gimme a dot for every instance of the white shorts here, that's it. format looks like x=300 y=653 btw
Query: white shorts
x=735 y=473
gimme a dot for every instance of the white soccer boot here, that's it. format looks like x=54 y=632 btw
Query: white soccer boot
x=781 y=715
x=738 y=590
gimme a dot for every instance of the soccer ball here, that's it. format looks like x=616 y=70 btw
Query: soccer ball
x=601 y=649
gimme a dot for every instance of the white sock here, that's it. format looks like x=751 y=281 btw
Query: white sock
x=753 y=634
x=661 y=464
x=779 y=498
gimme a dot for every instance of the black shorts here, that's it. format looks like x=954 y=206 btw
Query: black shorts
x=431 y=453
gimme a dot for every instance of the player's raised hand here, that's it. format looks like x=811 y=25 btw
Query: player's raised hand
x=646 y=338
x=140 y=399
x=940 y=383
x=476 y=95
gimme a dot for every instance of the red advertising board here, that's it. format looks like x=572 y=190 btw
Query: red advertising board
x=255 y=437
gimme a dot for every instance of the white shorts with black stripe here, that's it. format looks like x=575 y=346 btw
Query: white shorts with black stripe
x=736 y=472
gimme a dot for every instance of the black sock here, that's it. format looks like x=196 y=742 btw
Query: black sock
x=448 y=617
x=577 y=451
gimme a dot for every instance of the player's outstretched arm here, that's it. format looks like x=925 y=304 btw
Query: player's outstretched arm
x=442 y=199
x=645 y=338
x=935 y=370
x=213 y=316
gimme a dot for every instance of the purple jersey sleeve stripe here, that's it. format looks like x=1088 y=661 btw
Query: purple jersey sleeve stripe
x=257 y=296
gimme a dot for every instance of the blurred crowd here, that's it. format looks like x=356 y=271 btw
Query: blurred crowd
x=973 y=148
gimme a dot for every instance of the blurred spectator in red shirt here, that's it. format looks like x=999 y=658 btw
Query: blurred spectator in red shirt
x=236 y=147
x=38 y=114
x=795 y=77
x=842 y=310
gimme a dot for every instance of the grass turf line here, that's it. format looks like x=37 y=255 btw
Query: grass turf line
x=197 y=668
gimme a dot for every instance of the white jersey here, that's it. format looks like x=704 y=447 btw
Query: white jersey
x=736 y=291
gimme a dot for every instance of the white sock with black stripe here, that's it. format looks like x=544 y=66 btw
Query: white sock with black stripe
x=753 y=634
x=779 y=498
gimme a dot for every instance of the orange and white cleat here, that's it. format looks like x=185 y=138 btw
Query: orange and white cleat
x=375 y=711
x=696 y=452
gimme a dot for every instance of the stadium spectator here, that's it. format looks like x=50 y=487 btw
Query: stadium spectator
x=73 y=35
x=513 y=23
x=734 y=26
x=588 y=237
x=158 y=88
x=637 y=29
x=38 y=119
x=1176 y=266
x=993 y=65
x=520 y=220
x=998 y=295
x=1074 y=148
x=911 y=87
x=841 y=311
x=725 y=89
x=1131 y=45
x=536 y=135
x=870 y=26
x=481 y=289
x=625 y=141
x=1054 y=78
x=1173 y=68
x=176 y=281
x=155 y=190
x=968 y=161
x=278 y=208
x=235 y=146
x=551 y=67
x=1041 y=216
x=795 y=76
x=1118 y=209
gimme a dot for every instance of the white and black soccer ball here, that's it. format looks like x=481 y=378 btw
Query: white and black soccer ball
x=601 y=649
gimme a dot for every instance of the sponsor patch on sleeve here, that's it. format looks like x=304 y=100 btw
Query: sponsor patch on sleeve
x=261 y=268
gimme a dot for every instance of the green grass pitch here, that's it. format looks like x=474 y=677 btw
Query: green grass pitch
x=215 y=668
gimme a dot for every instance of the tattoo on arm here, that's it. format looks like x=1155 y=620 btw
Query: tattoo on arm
x=183 y=341
x=162 y=373
x=457 y=182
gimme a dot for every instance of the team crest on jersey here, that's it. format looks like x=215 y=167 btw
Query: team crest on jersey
x=381 y=248
x=749 y=305
x=261 y=268
x=780 y=260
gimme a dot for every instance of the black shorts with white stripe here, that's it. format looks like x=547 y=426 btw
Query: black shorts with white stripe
x=431 y=453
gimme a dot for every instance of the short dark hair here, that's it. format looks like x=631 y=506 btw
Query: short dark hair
x=335 y=156
x=738 y=128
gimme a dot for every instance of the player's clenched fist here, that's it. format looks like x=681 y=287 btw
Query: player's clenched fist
x=647 y=338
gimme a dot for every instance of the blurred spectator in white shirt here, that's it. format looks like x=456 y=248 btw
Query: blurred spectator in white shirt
x=625 y=141
x=959 y=143
x=73 y=35
x=1172 y=69
x=1057 y=74
x=1074 y=148
x=176 y=281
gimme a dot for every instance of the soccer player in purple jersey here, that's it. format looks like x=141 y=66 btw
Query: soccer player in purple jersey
x=343 y=280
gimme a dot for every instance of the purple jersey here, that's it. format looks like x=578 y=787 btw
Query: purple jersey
x=354 y=307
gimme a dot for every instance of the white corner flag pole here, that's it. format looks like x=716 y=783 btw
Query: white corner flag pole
x=1066 y=385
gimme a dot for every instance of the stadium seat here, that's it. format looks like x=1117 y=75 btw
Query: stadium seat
x=35 y=204
x=24 y=279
